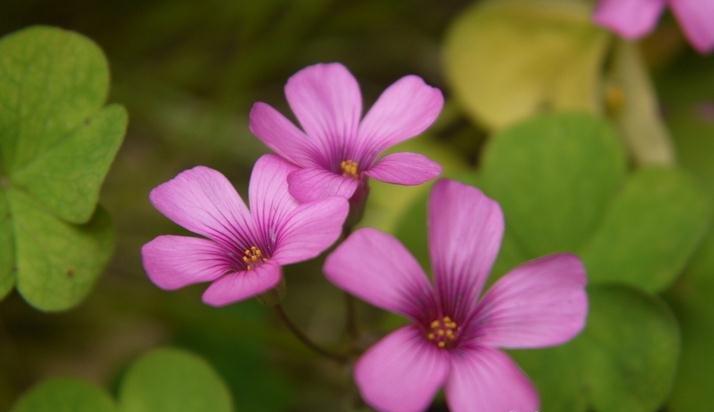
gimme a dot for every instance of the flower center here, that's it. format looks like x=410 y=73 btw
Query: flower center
x=253 y=257
x=443 y=332
x=349 y=168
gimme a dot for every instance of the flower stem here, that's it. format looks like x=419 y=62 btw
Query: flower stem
x=350 y=304
x=351 y=317
x=302 y=337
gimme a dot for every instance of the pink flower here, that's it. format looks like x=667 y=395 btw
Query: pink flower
x=338 y=150
x=633 y=19
x=241 y=251
x=453 y=338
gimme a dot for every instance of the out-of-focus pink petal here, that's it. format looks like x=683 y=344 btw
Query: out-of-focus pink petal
x=327 y=101
x=404 y=110
x=310 y=229
x=281 y=136
x=540 y=303
x=485 y=379
x=405 y=169
x=402 y=372
x=376 y=267
x=631 y=19
x=173 y=262
x=203 y=201
x=239 y=286
x=696 y=17
x=270 y=199
x=309 y=185
x=465 y=231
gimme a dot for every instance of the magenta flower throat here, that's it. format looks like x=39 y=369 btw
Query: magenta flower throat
x=454 y=338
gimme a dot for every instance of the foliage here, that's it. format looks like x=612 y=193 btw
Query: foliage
x=563 y=184
x=57 y=142
x=165 y=380
x=592 y=144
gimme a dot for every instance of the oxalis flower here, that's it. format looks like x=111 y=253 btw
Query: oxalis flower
x=337 y=151
x=454 y=337
x=241 y=250
x=633 y=19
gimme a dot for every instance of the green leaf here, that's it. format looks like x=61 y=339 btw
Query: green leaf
x=67 y=178
x=170 y=380
x=51 y=80
x=164 y=380
x=506 y=60
x=65 y=395
x=554 y=176
x=638 y=115
x=57 y=262
x=651 y=230
x=57 y=143
x=624 y=361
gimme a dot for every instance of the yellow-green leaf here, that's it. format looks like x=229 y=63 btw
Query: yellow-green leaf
x=508 y=59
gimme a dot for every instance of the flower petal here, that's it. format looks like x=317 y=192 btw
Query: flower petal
x=310 y=229
x=465 y=231
x=697 y=20
x=485 y=379
x=327 y=101
x=282 y=136
x=309 y=185
x=402 y=372
x=540 y=303
x=270 y=199
x=203 y=201
x=631 y=19
x=239 y=286
x=173 y=262
x=404 y=110
x=405 y=169
x=376 y=267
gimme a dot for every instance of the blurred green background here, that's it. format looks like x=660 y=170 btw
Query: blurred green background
x=188 y=72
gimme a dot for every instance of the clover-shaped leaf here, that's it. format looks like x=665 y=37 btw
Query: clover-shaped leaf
x=57 y=142
x=623 y=361
x=164 y=380
x=561 y=181
x=553 y=176
x=650 y=230
x=508 y=59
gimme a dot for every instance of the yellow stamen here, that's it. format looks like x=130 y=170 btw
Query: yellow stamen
x=443 y=332
x=349 y=168
x=252 y=257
